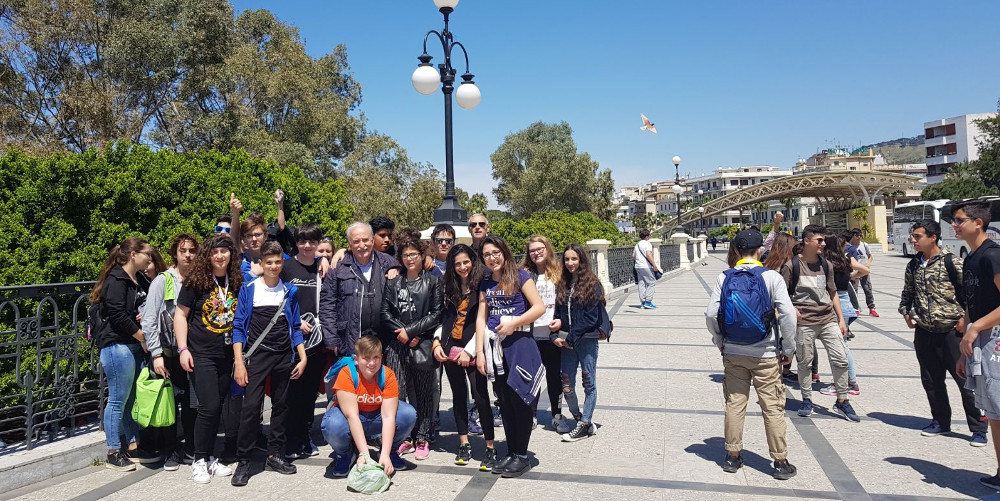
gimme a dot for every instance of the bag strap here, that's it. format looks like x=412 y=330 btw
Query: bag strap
x=956 y=282
x=263 y=334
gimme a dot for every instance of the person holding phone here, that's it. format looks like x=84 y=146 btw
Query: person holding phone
x=267 y=341
x=463 y=273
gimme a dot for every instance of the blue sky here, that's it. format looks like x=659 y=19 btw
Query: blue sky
x=727 y=83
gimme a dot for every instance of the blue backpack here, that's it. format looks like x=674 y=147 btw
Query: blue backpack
x=348 y=361
x=746 y=313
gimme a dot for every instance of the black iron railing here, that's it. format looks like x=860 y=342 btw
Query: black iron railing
x=50 y=380
x=620 y=266
x=670 y=257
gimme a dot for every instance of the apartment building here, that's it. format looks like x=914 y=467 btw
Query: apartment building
x=949 y=141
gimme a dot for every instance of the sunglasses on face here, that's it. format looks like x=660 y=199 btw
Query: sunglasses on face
x=481 y=224
x=448 y=241
x=220 y=229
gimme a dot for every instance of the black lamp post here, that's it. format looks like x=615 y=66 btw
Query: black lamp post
x=426 y=80
x=677 y=189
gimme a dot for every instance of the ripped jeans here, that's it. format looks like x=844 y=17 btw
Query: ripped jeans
x=584 y=356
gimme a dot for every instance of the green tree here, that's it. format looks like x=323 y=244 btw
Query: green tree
x=988 y=163
x=962 y=181
x=539 y=169
x=475 y=204
x=560 y=227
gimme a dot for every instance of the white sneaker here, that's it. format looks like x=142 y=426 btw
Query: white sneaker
x=313 y=450
x=199 y=472
x=562 y=424
x=217 y=469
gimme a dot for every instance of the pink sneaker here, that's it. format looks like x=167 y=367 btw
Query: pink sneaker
x=423 y=450
x=405 y=448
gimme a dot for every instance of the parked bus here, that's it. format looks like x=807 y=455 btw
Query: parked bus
x=905 y=215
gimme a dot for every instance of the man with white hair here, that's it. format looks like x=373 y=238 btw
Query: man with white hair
x=352 y=291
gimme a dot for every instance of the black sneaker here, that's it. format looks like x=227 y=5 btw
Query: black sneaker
x=845 y=410
x=791 y=376
x=501 y=464
x=518 y=466
x=582 y=431
x=783 y=470
x=732 y=464
x=119 y=462
x=173 y=462
x=280 y=465
x=464 y=454
x=991 y=482
x=342 y=466
x=242 y=474
x=142 y=456
x=489 y=460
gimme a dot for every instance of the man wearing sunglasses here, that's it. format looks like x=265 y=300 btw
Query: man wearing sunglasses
x=479 y=227
x=442 y=240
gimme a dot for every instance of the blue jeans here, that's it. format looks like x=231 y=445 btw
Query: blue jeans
x=337 y=432
x=121 y=363
x=850 y=314
x=584 y=356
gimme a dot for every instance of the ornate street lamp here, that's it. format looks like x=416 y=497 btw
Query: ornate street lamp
x=426 y=80
x=678 y=189
x=701 y=215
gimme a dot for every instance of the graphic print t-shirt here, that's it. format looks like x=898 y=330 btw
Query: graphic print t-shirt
x=501 y=304
x=369 y=395
x=304 y=277
x=978 y=271
x=210 y=320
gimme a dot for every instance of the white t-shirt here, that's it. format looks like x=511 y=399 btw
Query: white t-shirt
x=639 y=253
x=547 y=290
x=864 y=251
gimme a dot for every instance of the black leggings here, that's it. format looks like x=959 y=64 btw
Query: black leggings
x=552 y=360
x=461 y=380
x=211 y=378
x=516 y=415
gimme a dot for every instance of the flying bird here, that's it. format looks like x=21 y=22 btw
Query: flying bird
x=646 y=124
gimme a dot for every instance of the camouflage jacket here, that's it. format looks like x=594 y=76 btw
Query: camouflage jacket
x=929 y=296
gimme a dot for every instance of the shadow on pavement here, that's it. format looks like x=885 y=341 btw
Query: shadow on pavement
x=963 y=481
x=714 y=450
x=901 y=420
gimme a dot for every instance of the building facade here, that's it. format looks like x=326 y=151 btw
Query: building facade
x=949 y=141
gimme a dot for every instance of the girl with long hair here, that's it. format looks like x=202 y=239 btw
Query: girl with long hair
x=782 y=249
x=541 y=262
x=122 y=346
x=580 y=305
x=203 y=325
x=845 y=268
x=511 y=304
x=411 y=315
x=463 y=273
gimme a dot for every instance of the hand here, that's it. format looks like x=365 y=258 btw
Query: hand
x=960 y=326
x=778 y=218
x=560 y=343
x=324 y=266
x=138 y=318
x=909 y=322
x=298 y=369
x=256 y=269
x=555 y=324
x=414 y=342
x=362 y=459
x=235 y=205
x=505 y=328
x=785 y=359
x=971 y=333
x=798 y=315
x=481 y=364
x=439 y=354
x=279 y=198
x=160 y=368
x=402 y=336
x=843 y=327
x=187 y=361
x=383 y=460
x=307 y=327
x=464 y=359
x=960 y=368
x=391 y=274
x=240 y=374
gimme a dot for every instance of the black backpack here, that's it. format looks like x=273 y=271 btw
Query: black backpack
x=953 y=277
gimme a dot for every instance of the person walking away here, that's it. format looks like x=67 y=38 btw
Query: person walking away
x=932 y=304
x=645 y=269
x=864 y=255
x=753 y=351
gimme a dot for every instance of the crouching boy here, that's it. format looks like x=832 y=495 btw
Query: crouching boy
x=366 y=406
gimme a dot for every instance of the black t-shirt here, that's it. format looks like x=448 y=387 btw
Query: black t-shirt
x=210 y=321
x=978 y=271
x=277 y=337
x=303 y=277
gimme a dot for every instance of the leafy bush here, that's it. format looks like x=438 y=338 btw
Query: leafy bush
x=62 y=213
x=560 y=227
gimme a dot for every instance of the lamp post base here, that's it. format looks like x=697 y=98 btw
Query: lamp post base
x=450 y=213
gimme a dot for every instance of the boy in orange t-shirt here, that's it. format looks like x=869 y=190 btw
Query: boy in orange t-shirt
x=367 y=410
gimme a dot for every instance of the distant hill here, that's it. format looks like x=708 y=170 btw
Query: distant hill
x=905 y=150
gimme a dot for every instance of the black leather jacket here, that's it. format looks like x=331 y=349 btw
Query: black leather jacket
x=415 y=306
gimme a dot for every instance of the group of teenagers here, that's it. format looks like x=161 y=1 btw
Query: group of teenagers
x=375 y=326
x=952 y=304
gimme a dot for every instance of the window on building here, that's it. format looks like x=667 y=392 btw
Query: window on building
x=952 y=148
x=734 y=182
x=949 y=130
x=929 y=133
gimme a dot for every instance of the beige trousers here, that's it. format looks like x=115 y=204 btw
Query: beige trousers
x=766 y=376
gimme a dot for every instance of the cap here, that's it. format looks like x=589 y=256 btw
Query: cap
x=748 y=239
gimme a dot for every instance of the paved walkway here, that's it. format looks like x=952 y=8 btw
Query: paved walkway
x=660 y=411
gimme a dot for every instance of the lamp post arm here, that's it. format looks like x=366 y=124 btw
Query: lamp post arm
x=466 y=54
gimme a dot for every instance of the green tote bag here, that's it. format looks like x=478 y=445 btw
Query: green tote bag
x=154 y=401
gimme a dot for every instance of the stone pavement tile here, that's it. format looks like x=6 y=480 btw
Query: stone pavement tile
x=95 y=476
x=507 y=489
